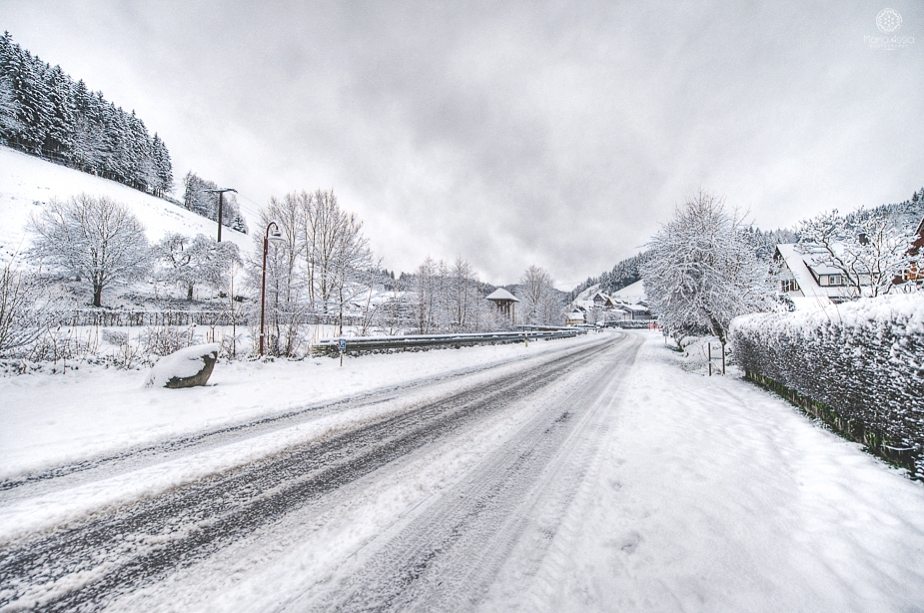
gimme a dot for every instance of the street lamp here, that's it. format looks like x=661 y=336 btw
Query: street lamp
x=276 y=236
x=221 y=193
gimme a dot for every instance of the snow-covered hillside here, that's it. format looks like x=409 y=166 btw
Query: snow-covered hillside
x=632 y=293
x=27 y=183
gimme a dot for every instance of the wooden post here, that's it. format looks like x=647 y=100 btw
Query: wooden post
x=710 y=358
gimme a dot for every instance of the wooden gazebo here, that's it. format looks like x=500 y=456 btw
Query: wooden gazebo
x=505 y=303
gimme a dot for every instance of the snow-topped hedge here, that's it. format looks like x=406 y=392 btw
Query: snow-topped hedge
x=859 y=367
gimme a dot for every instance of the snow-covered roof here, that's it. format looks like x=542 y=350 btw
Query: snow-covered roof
x=798 y=262
x=634 y=292
x=501 y=294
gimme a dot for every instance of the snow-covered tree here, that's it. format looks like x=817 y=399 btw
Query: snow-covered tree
x=23 y=313
x=286 y=307
x=44 y=112
x=193 y=261
x=9 y=111
x=701 y=271
x=163 y=168
x=464 y=295
x=868 y=248
x=93 y=238
x=540 y=302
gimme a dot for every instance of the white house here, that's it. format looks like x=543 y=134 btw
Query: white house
x=807 y=279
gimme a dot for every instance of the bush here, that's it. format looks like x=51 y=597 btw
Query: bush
x=860 y=369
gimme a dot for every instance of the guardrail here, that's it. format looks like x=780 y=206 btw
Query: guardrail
x=371 y=344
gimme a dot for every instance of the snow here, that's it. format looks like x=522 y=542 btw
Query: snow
x=695 y=493
x=811 y=295
x=56 y=419
x=632 y=293
x=501 y=294
x=908 y=308
x=180 y=364
x=713 y=495
x=27 y=183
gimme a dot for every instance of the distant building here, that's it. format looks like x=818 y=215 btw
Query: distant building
x=505 y=303
x=574 y=318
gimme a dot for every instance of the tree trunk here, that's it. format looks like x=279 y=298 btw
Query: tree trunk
x=189 y=292
x=97 y=295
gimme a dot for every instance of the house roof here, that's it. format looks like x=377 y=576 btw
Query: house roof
x=798 y=263
x=501 y=294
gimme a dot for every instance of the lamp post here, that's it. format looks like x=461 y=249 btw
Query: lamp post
x=221 y=193
x=276 y=236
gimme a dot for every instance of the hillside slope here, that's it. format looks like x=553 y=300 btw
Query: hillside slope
x=27 y=183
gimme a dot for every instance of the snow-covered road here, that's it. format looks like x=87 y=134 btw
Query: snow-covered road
x=591 y=475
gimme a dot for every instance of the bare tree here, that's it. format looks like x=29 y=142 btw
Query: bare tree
x=286 y=308
x=463 y=298
x=23 y=313
x=351 y=263
x=322 y=221
x=93 y=238
x=867 y=248
x=541 y=304
x=426 y=296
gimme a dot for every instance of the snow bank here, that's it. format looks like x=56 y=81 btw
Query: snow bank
x=180 y=364
x=860 y=369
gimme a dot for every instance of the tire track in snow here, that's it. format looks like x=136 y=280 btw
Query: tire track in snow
x=94 y=468
x=447 y=557
x=87 y=564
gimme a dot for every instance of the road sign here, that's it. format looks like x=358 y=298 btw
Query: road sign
x=342 y=345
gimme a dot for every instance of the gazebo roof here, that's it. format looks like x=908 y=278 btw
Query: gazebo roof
x=501 y=294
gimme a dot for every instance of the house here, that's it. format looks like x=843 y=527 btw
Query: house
x=505 y=303
x=602 y=301
x=637 y=312
x=915 y=272
x=574 y=318
x=807 y=279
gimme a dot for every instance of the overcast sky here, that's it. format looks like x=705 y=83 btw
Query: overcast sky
x=512 y=134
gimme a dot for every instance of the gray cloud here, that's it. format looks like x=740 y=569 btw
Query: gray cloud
x=512 y=133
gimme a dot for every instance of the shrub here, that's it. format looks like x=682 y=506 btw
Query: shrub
x=861 y=369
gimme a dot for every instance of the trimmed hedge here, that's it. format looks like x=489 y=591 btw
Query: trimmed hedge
x=859 y=367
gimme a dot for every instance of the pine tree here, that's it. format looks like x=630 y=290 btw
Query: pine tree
x=163 y=168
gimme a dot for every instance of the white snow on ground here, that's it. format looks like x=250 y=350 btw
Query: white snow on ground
x=54 y=419
x=27 y=183
x=713 y=495
x=703 y=494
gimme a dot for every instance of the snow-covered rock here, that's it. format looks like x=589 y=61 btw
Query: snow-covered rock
x=184 y=368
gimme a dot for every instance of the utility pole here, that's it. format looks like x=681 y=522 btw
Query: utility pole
x=221 y=193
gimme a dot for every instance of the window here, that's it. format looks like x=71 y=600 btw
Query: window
x=790 y=285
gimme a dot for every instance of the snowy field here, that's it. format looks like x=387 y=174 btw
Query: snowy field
x=673 y=493
x=27 y=183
